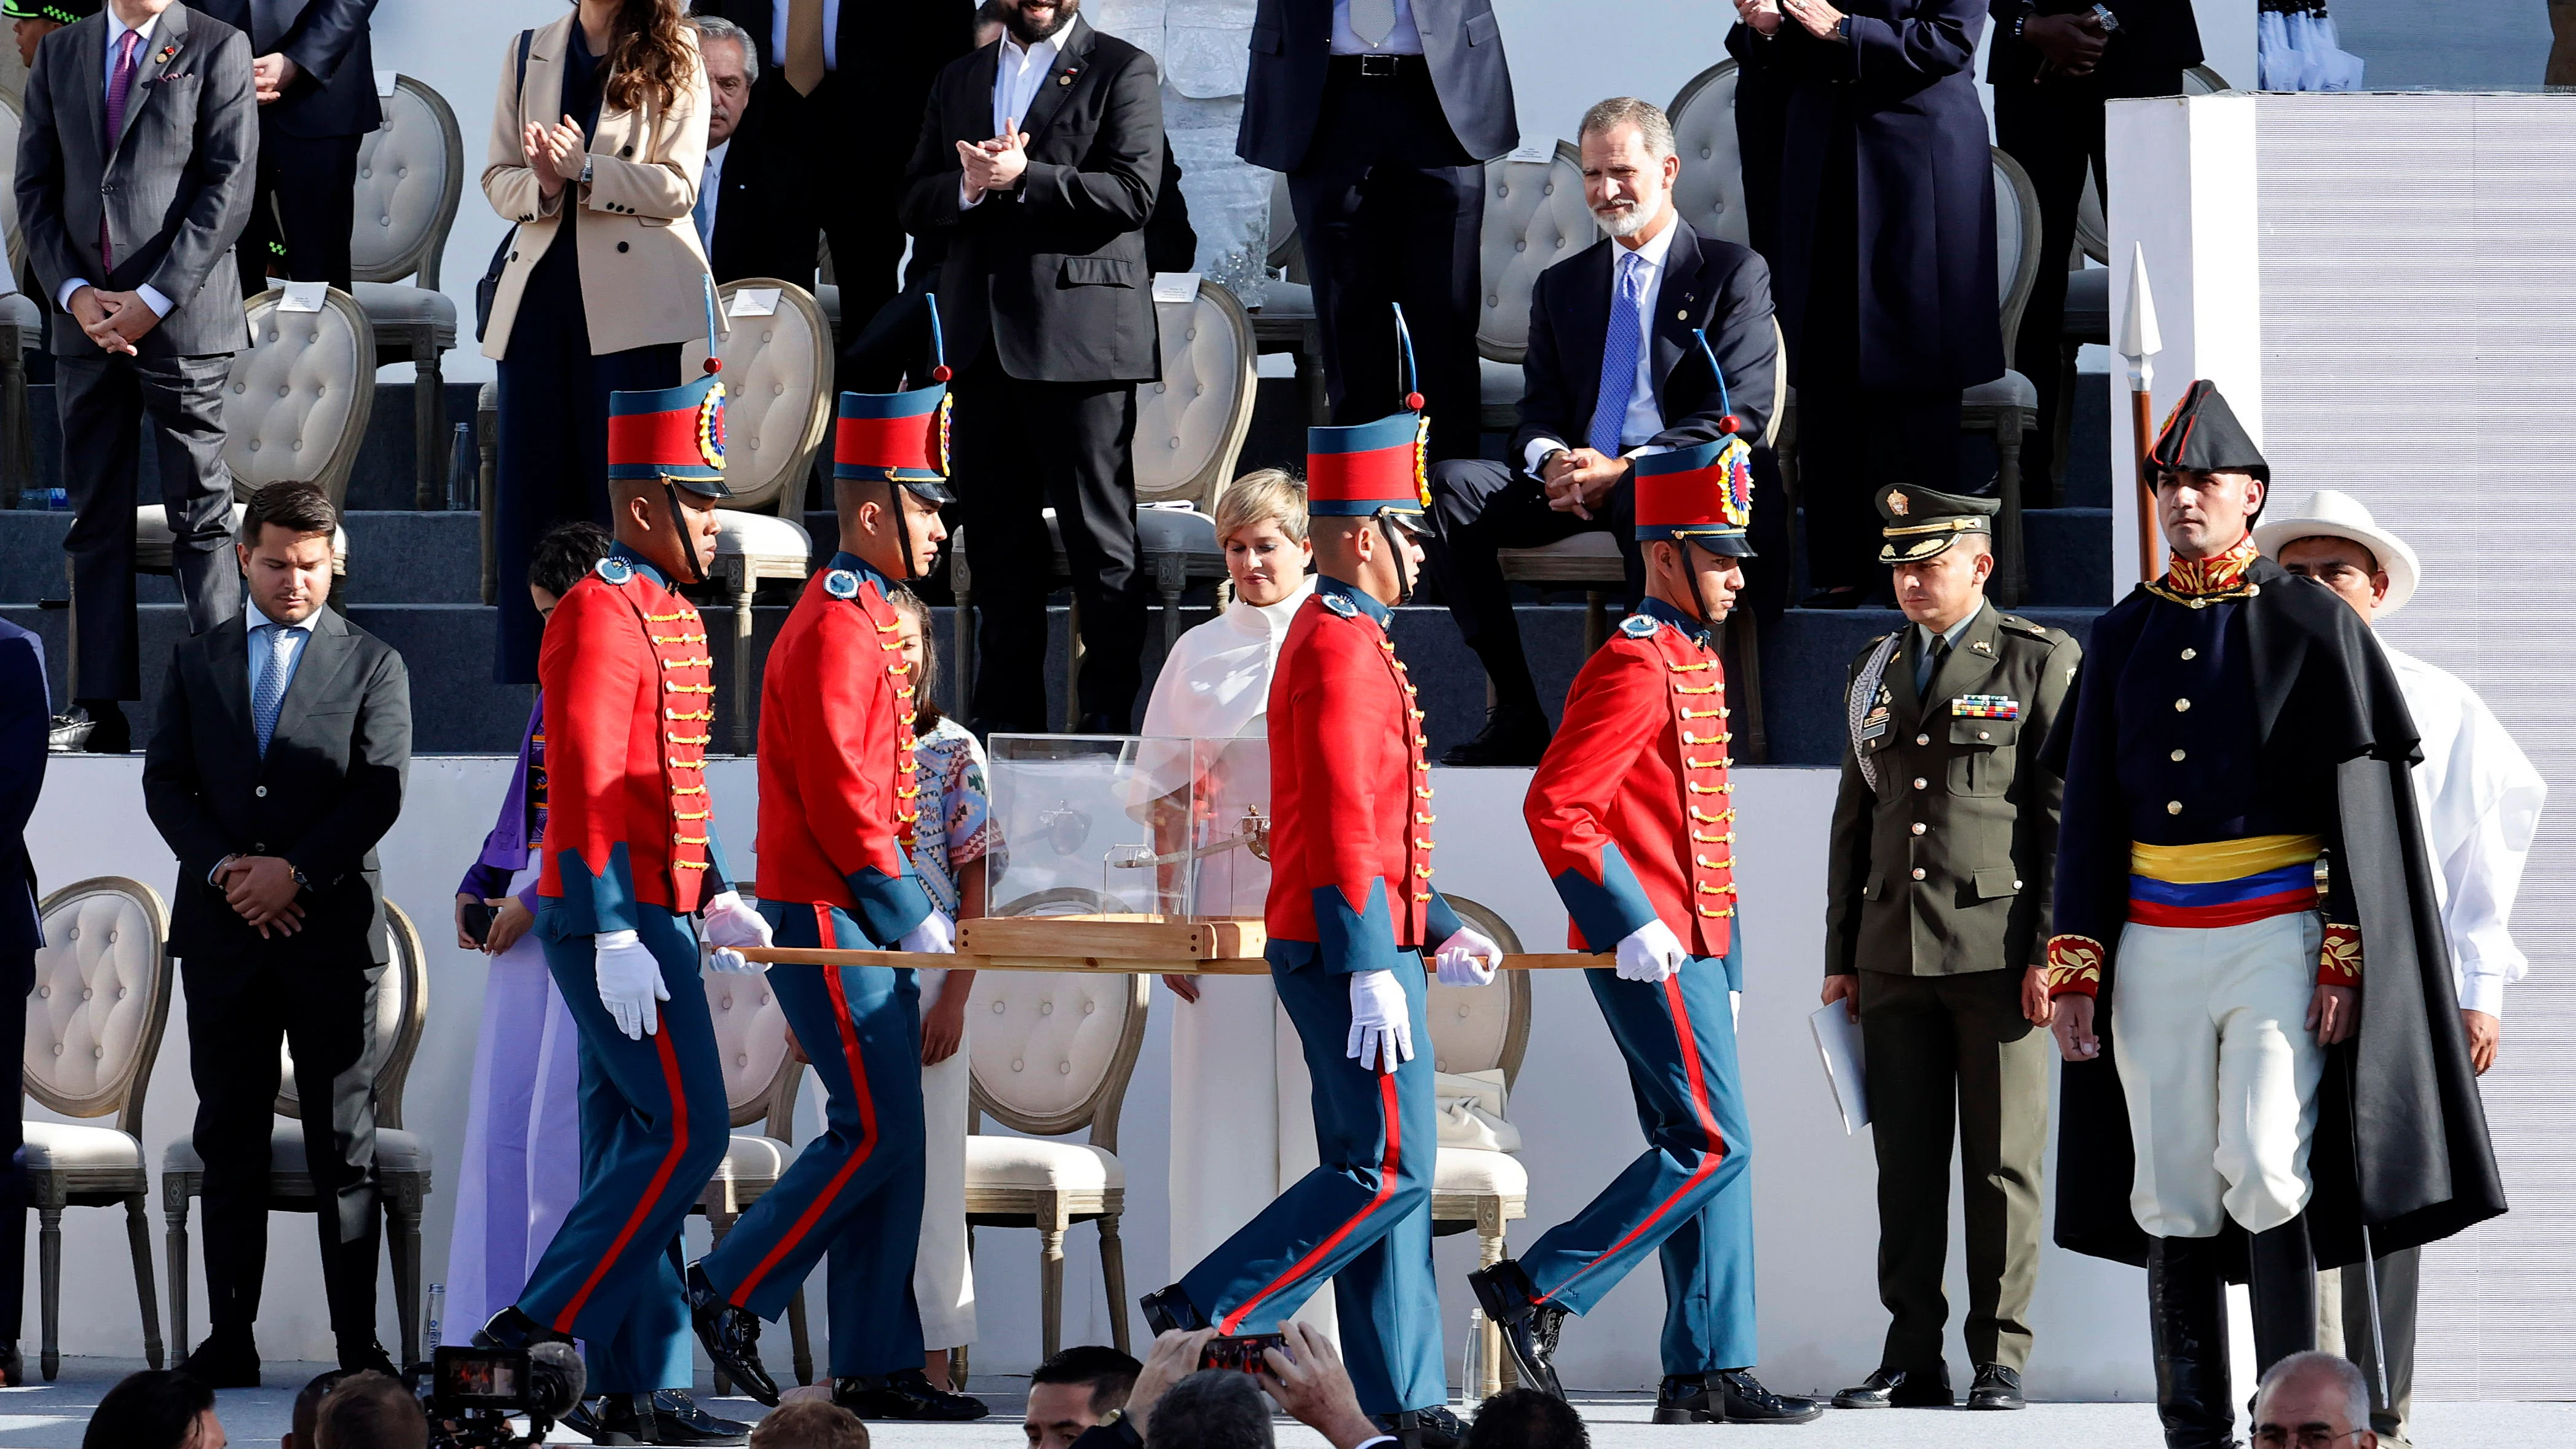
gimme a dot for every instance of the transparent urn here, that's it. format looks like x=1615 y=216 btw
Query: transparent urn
x=1130 y=827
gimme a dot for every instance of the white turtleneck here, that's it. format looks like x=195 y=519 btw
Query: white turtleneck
x=1216 y=682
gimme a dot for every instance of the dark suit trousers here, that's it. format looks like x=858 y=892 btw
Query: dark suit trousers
x=1945 y=1054
x=844 y=181
x=2055 y=131
x=1479 y=506
x=18 y=972
x=238 y=1009
x=1025 y=446
x=303 y=210
x=102 y=400
x=1388 y=208
x=553 y=463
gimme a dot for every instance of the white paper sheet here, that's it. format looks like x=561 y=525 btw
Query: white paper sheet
x=302 y=296
x=1838 y=1044
x=753 y=302
x=385 y=83
x=1176 y=286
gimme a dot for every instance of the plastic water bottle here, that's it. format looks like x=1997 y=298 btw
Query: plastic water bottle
x=1471 y=1365
x=464 y=470
x=437 y=1310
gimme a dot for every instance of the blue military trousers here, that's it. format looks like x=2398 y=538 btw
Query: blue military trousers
x=1362 y=1218
x=855 y=1191
x=654 y=1126
x=1689 y=1197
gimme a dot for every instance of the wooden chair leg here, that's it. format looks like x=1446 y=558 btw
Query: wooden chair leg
x=175 y=1191
x=49 y=1261
x=404 y=1209
x=1596 y=621
x=1051 y=1227
x=428 y=414
x=2012 y=573
x=800 y=1341
x=138 y=1240
x=1113 y=1276
x=745 y=584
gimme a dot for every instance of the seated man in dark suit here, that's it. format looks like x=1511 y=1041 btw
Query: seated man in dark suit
x=1614 y=371
x=276 y=764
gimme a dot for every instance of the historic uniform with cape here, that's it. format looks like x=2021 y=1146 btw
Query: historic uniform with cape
x=2231 y=725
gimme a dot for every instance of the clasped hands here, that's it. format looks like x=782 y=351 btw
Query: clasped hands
x=1577 y=479
x=997 y=164
x=261 y=889
x=113 y=320
x=556 y=153
x=1816 y=17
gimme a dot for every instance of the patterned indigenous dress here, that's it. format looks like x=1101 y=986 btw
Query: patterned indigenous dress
x=954 y=834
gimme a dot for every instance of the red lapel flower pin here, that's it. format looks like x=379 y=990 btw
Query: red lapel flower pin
x=167 y=52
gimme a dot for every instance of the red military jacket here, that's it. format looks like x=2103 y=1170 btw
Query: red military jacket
x=629 y=709
x=838 y=798
x=1631 y=807
x=1350 y=794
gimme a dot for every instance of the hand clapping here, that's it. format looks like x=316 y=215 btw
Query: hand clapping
x=556 y=153
x=1819 y=18
x=1762 y=15
x=997 y=164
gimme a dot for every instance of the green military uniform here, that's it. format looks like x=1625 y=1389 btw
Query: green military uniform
x=1939 y=901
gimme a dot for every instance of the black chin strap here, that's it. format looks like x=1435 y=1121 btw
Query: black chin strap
x=688 y=545
x=902 y=527
x=1395 y=551
x=1707 y=616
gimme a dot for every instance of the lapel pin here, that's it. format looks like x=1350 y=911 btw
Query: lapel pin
x=1065 y=79
x=1982 y=647
x=167 y=51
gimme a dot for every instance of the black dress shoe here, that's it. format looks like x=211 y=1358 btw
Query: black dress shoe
x=1431 y=1428
x=1529 y=1329
x=904 y=1394
x=1732 y=1396
x=228 y=1359
x=1510 y=737
x=730 y=1334
x=360 y=1356
x=677 y=1419
x=511 y=1328
x=584 y=1420
x=1170 y=1310
x=1996 y=1387
x=109 y=731
x=623 y=1419
x=1895 y=1388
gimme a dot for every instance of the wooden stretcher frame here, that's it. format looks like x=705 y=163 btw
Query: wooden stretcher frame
x=1108 y=945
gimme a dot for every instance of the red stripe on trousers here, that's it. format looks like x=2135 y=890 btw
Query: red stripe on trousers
x=653 y=1191
x=1709 y=1160
x=1387 y=1110
x=867 y=1118
x=2225 y=913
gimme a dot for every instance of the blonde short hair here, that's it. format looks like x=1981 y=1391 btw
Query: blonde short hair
x=1271 y=495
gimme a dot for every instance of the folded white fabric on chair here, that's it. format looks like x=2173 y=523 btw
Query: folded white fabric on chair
x=1472 y=1111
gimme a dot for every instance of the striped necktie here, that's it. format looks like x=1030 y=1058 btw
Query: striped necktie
x=1620 y=349
x=120 y=87
x=272 y=684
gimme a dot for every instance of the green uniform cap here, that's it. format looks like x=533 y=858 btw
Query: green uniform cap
x=61 y=12
x=1922 y=523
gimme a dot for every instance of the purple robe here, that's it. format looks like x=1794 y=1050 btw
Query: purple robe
x=515 y=837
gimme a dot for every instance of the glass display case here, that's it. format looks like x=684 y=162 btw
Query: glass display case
x=1150 y=827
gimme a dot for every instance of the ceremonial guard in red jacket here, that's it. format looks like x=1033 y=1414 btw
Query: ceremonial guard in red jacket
x=1351 y=913
x=1634 y=818
x=836 y=814
x=632 y=873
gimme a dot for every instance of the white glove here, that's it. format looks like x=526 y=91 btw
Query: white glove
x=1651 y=953
x=1381 y=1026
x=1468 y=958
x=630 y=981
x=731 y=924
x=936 y=935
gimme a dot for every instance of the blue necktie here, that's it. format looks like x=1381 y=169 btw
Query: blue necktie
x=1619 y=353
x=272 y=684
x=700 y=215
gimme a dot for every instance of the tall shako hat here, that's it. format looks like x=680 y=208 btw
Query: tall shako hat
x=1379 y=469
x=900 y=438
x=2202 y=435
x=1704 y=494
x=675 y=434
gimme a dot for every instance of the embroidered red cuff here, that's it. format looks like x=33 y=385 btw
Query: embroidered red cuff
x=2339 y=958
x=2074 y=966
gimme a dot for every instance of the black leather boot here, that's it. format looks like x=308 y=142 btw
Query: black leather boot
x=1529 y=1328
x=2285 y=1293
x=2187 y=1318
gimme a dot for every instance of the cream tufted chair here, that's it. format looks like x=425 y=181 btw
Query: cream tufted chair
x=778 y=410
x=761 y=1082
x=94 y=1026
x=1709 y=193
x=1190 y=427
x=296 y=404
x=2009 y=406
x=1481 y=1029
x=401 y=1005
x=411 y=170
x=1534 y=218
x=1050 y=1054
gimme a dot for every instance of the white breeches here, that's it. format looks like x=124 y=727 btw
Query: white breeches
x=2220 y=1071
x=943 y=1281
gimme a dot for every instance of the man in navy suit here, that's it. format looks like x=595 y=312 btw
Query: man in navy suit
x=1615 y=371
x=1382 y=113
x=23 y=727
x=314 y=75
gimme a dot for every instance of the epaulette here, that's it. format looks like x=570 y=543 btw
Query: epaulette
x=614 y=569
x=1638 y=626
x=2021 y=625
x=1339 y=605
x=841 y=584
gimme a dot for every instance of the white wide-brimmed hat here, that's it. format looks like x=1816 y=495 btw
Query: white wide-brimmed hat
x=2332 y=514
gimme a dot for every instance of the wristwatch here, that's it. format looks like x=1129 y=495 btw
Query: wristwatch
x=585 y=170
x=301 y=879
x=1550 y=456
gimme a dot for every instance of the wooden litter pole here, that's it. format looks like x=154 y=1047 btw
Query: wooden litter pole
x=1103 y=945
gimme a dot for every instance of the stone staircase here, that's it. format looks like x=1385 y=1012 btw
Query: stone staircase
x=414 y=580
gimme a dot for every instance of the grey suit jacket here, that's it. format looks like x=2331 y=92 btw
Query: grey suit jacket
x=174 y=187
x=328 y=789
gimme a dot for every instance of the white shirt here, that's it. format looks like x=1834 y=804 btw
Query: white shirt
x=1404 y=39
x=1645 y=416
x=2480 y=799
x=831 y=34
x=710 y=192
x=152 y=296
x=1018 y=71
x=253 y=618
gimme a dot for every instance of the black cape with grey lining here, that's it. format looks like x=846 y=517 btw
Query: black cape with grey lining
x=2401 y=1137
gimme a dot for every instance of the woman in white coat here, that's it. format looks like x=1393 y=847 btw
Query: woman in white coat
x=1239 y=1133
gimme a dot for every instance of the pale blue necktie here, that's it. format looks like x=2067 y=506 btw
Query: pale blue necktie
x=272 y=684
x=1619 y=352
x=703 y=213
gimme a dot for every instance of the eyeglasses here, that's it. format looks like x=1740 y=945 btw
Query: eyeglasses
x=2306 y=1436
